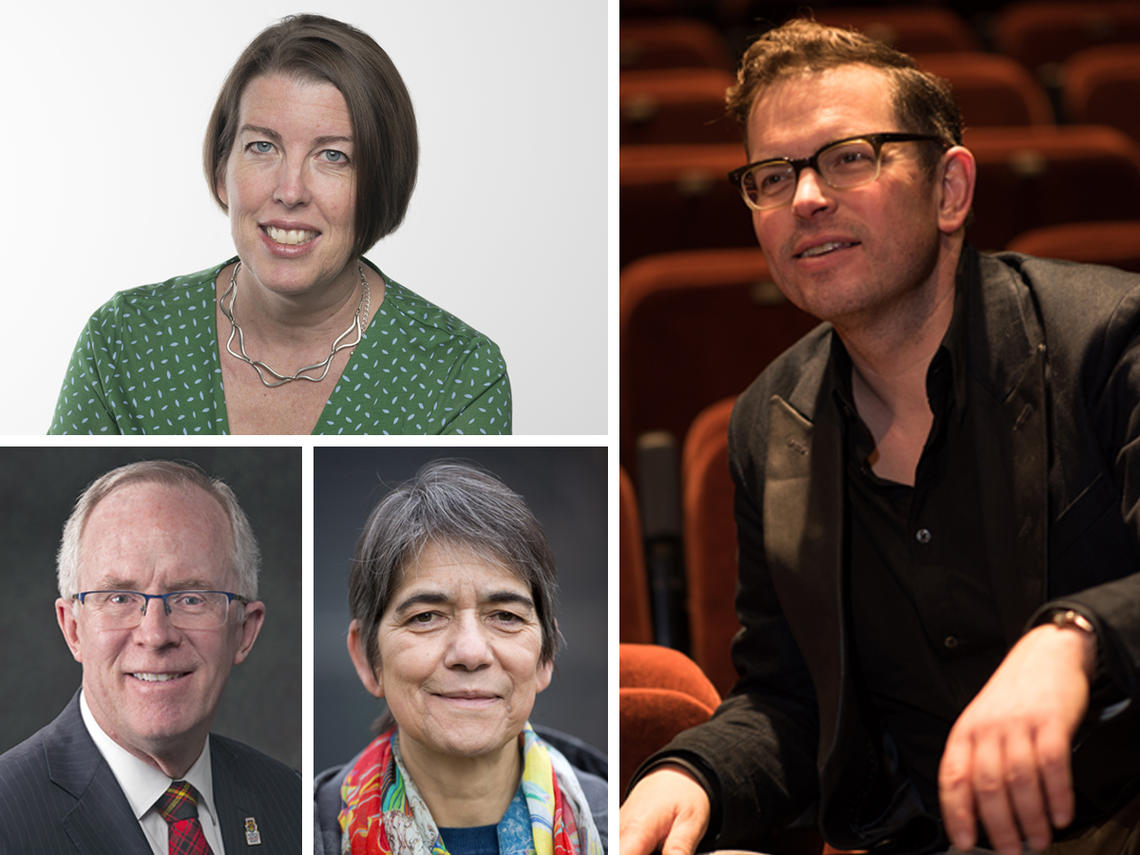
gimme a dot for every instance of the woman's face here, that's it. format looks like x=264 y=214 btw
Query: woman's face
x=459 y=656
x=290 y=183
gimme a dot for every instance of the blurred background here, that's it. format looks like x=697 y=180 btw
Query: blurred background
x=566 y=490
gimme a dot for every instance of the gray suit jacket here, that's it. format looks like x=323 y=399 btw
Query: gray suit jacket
x=58 y=795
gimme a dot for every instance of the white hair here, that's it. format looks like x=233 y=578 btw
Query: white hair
x=245 y=556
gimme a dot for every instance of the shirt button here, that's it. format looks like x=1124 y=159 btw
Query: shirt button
x=923 y=536
x=950 y=642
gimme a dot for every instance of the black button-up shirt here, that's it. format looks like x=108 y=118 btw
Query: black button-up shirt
x=926 y=628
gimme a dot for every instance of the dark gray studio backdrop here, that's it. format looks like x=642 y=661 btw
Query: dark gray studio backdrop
x=38 y=487
x=566 y=490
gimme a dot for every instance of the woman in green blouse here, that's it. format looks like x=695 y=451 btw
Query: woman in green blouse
x=312 y=151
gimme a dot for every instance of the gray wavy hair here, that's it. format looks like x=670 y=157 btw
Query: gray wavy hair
x=245 y=557
x=452 y=503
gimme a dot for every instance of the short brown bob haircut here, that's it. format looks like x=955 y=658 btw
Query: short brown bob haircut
x=456 y=504
x=385 y=142
x=923 y=102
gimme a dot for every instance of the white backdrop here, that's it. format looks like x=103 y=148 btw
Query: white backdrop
x=106 y=106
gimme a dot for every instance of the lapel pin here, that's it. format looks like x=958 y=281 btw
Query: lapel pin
x=252 y=835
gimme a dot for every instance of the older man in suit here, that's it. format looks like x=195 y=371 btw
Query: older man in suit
x=158 y=601
x=937 y=501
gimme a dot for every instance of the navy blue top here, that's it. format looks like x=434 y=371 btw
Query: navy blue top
x=480 y=840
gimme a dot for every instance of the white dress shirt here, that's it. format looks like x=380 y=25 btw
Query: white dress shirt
x=143 y=784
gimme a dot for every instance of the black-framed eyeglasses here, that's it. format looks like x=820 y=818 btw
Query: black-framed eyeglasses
x=842 y=164
x=185 y=609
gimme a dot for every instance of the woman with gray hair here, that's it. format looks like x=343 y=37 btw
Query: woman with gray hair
x=452 y=602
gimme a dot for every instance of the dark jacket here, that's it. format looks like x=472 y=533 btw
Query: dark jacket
x=589 y=764
x=1053 y=385
x=58 y=795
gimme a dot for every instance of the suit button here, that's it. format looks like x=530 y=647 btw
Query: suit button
x=950 y=642
x=923 y=536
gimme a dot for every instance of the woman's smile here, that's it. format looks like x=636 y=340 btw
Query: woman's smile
x=460 y=655
x=289 y=243
x=292 y=237
x=290 y=184
x=469 y=700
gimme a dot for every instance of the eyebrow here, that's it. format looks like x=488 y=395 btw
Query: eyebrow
x=276 y=137
x=116 y=583
x=435 y=598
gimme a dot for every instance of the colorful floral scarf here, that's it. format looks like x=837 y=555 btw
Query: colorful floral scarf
x=384 y=814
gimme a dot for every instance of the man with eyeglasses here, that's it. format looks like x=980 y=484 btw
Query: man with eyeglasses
x=937 y=503
x=158 y=601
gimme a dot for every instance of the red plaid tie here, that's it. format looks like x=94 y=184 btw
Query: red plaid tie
x=179 y=807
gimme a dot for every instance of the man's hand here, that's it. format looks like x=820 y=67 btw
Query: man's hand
x=667 y=809
x=1006 y=761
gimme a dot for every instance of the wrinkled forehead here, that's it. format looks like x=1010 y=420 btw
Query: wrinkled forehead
x=443 y=563
x=454 y=570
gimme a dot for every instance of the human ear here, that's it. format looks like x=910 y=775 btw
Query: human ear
x=373 y=681
x=956 y=188
x=545 y=673
x=65 y=615
x=250 y=628
x=220 y=178
x=220 y=187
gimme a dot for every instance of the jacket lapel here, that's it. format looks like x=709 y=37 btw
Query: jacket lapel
x=803 y=535
x=1008 y=367
x=229 y=801
x=102 y=822
x=238 y=799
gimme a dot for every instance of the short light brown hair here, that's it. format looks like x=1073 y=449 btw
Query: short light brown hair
x=385 y=142
x=923 y=102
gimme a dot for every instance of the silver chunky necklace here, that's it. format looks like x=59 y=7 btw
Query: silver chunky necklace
x=272 y=378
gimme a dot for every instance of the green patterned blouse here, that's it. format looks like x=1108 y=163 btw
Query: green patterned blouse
x=147 y=362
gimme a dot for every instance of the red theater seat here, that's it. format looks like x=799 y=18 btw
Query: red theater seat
x=710 y=544
x=662 y=693
x=1102 y=86
x=671 y=43
x=1042 y=35
x=1045 y=176
x=636 y=623
x=677 y=197
x=696 y=327
x=1114 y=243
x=990 y=89
x=676 y=105
x=910 y=29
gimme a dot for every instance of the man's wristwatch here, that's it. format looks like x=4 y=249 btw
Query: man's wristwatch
x=1071 y=619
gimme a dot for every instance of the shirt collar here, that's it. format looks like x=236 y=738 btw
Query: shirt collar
x=141 y=782
x=951 y=352
x=954 y=342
